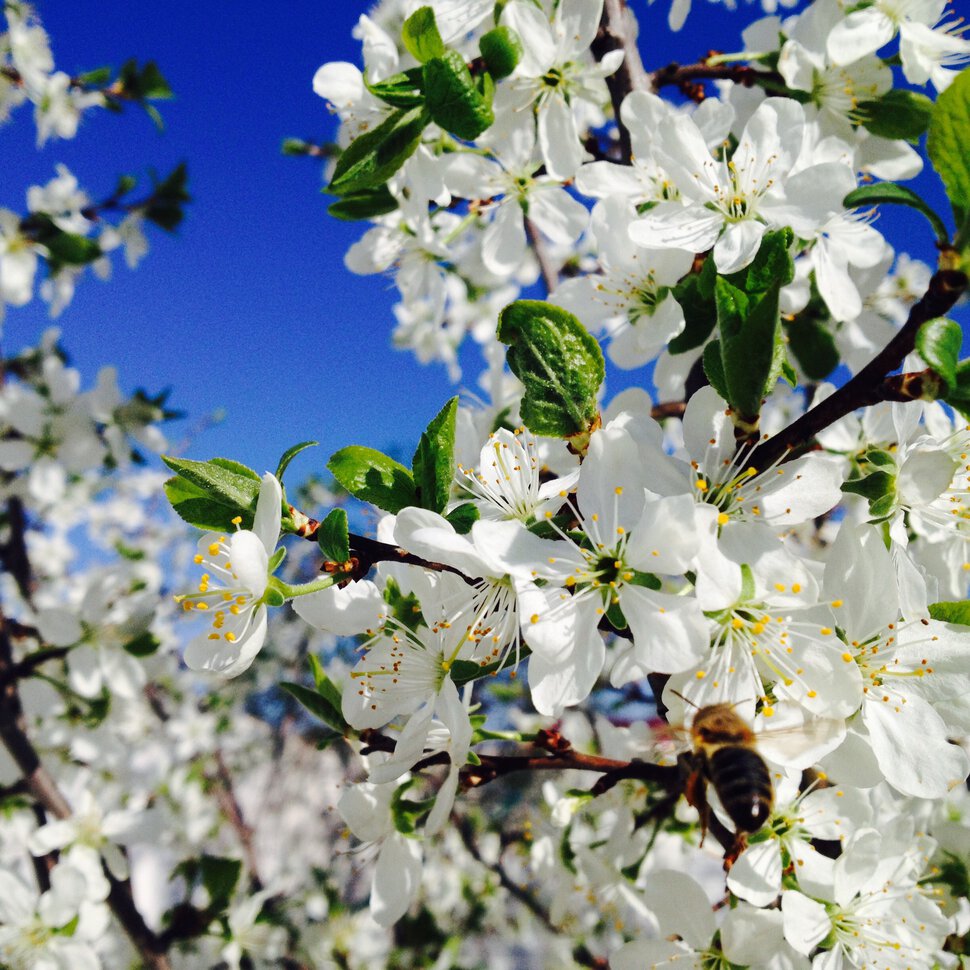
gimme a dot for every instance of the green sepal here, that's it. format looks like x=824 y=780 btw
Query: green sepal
x=143 y=645
x=273 y=597
x=877 y=485
x=373 y=477
x=946 y=145
x=405 y=812
x=463 y=517
x=889 y=193
x=938 y=342
x=813 y=346
x=881 y=507
x=501 y=49
x=402 y=90
x=638 y=578
x=615 y=617
x=695 y=294
x=365 y=204
x=880 y=458
x=433 y=464
x=63 y=248
x=465 y=671
x=897 y=114
x=210 y=494
x=370 y=160
x=333 y=537
x=322 y=707
x=421 y=37
x=289 y=455
x=560 y=363
x=404 y=607
x=953 y=611
x=453 y=99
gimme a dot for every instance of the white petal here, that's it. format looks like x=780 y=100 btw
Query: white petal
x=559 y=139
x=396 y=879
x=756 y=874
x=346 y=611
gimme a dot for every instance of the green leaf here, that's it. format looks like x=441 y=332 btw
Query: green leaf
x=373 y=477
x=463 y=517
x=210 y=494
x=695 y=294
x=219 y=876
x=959 y=396
x=897 y=114
x=168 y=198
x=748 y=322
x=143 y=645
x=433 y=463
x=421 y=37
x=96 y=78
x=452 y=97
x=319 y=706
x=714 y=369
x=889 y=193
x=370 y=160
x=333 y=536
x=813 y=346
x=289 y=455
x=953 y=611
x=501 y=50
x=67 y=248
x=947 y=143
x=559 y=362
x=400 y=90
x=938 y=343
x=365 y=204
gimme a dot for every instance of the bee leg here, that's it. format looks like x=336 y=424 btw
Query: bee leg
x=738 y=846
x=695 y=791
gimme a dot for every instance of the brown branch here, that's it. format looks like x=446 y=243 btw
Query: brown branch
x=550 y=277
x=868 y=386
x=231 y=809
x=616 y=33
x=686 y=76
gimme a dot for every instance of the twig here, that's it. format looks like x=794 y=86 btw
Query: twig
x=550 y=277
x=866 y=387
x=615 y=34
x=231 y=809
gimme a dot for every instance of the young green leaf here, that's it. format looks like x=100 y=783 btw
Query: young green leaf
x=421 y=37
x=889 y=193
x=897 y=114
x=365 y=204
x=333 y=536
x=319 y=706
x=559 y=362
x=370 y=160
x=373 y=477
x=452 y=97
x=695 y=294
x=210 y=494
x=290 y=454
x=954 y=611
x=938 y=342
x=433 y=463
x=813 y=345
x=463 y=517
x=501 y=50
x=402 y=90
x=946 y=144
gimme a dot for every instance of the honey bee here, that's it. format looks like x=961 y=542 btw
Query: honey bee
x=724 y=755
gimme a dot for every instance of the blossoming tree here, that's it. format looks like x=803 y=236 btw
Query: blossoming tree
x=453 y=714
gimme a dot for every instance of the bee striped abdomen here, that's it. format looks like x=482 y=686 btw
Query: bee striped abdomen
x=741 y=780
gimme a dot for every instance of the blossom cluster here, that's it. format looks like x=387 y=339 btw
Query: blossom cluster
x=471 y=732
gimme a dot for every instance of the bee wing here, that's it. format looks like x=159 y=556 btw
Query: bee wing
x=668 y=741
x=796 y=739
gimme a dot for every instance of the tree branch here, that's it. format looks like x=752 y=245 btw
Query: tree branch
x=866 y=387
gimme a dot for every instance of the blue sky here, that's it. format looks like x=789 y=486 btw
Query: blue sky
x=248 y=309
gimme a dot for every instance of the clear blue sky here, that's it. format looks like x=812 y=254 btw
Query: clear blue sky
x=248 y=308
